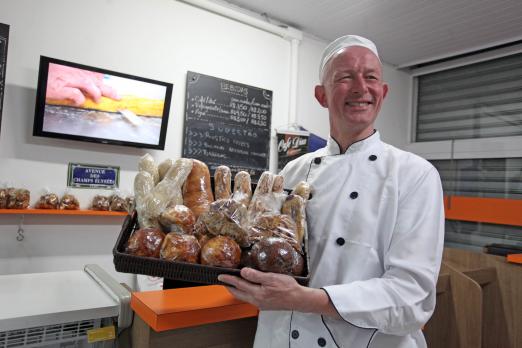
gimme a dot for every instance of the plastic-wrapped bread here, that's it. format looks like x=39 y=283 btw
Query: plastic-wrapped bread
x=146 y=163
x=175 y=178
x=302 y=189
x=178 y=215
x=166 y=193
x=100 y=202
x=222 y=182
x=275 y=254
x=3 y=198
x=164 y=167
x=69 y=202
x=143 y=185
x=197 y=192
x=242 y=188
x=295 y=207
x=18 y=198
x=221 y=251
x=261 y=201
x=270 y=225
x=145 y=242
x=278 y=195
x=227 y=217
x=48 y=201
x=180 y=248
x=118 y=203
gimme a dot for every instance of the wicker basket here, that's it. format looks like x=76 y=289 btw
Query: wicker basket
x=187 y=272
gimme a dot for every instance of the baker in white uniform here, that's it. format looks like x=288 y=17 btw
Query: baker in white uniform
x=375 y=226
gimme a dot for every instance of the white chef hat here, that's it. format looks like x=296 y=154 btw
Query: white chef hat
x=339 y=44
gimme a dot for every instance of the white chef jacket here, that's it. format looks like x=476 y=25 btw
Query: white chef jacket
x=375 y=240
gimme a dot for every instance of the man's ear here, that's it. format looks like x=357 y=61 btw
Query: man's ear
x=320 y=95
x=384 y=90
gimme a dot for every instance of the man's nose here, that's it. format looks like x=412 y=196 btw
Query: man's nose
x=358 y=85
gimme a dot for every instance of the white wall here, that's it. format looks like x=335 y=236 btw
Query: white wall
x=157 y=39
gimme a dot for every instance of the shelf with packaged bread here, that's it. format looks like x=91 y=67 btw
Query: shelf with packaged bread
x=80 y=212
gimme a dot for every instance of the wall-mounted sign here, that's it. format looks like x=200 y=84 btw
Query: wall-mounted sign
x=4 y=39
x=93 y=176
x=290 y=145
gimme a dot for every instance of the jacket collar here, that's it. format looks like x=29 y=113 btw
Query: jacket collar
x=332 y=148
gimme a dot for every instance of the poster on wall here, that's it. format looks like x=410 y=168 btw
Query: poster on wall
x=290 y=145
x=4 y=40
x=227 y=123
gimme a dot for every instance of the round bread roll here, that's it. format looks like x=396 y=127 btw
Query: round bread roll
x=274 y=254
x=145 y=242
x=178 y=215
x=221 y=251
x=180 y=247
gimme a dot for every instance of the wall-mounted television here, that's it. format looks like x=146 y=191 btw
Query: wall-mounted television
x=80 y=102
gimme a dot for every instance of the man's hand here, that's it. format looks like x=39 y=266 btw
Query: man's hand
x=268 y=291
x=272 y=291
x=64 y=82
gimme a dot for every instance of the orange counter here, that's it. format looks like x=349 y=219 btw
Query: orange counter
x=197 y=316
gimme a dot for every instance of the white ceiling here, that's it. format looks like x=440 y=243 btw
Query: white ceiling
x=406 y=32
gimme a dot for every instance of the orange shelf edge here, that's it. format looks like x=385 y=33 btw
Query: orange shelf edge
x=62 y=212
x=185 y=307
x=514 y=258
x=489 y=210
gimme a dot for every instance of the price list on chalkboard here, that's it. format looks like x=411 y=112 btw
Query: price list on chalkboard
x=227 y=123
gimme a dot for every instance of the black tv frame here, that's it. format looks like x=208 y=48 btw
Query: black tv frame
x=40 y=105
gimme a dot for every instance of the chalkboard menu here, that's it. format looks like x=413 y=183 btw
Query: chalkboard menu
x=227 y=123
x=4 y=39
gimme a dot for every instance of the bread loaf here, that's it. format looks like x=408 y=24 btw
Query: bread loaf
x=276 y=255
x=178 y=215
x=222 y=182
x=180 y=247
x=242 y=188
x=145 y=242
x=197 y=192
x=221 y=251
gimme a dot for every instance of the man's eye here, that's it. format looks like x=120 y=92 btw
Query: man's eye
x=372 y=77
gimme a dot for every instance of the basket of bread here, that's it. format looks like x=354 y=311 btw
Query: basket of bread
x=191 y=227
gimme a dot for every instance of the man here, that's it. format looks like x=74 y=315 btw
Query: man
x=375 y=226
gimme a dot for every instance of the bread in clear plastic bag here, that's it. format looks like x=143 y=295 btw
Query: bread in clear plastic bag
x=274 y=254
x=295 y=206
x=180 y=247
x=146 y=163
x=118 y=202
x=101 y=203
x=18 y=198
x=3 y=197
x=221 y=251
x=197 y=191
x=178 y=215
x=222 y=183
x=227 y=217
x=69 y=202
x=242 y=188
x=274 y=225
x=164 y=167
x=166 y=193
x=145 y=242
x=48 y=200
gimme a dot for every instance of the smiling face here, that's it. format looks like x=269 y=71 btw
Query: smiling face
x=353 y=92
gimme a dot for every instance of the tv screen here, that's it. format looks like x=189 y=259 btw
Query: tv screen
x=79 y=102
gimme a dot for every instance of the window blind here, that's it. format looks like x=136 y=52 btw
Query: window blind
x=479 y=100
x=491 y=178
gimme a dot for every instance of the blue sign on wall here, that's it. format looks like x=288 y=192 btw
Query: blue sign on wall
x=93 y=176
